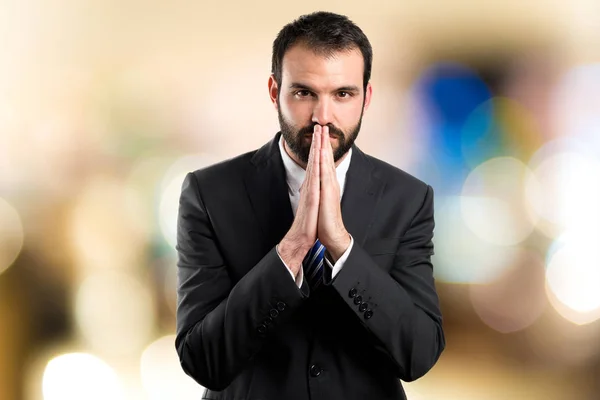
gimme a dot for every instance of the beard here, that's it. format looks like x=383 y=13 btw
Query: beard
x=294 y=138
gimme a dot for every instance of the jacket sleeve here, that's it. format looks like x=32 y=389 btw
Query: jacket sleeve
x=221 y=325
x=401 y=308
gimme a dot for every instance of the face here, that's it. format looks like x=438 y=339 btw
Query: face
x=316 y=89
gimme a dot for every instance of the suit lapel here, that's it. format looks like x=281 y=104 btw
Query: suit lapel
x=267 y=189
x=361 y=195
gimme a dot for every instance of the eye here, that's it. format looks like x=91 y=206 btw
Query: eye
x=302 y=93
x=344 y=94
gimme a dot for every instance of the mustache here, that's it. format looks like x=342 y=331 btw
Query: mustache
x=333 y=131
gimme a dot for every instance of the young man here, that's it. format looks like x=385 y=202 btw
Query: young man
x=304 y=267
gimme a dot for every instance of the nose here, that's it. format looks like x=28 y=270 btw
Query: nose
x=322 y=112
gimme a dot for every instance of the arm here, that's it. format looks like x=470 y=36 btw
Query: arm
x=405 y=318
x=220 y=326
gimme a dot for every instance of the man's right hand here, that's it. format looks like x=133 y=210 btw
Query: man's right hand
x=303 y=233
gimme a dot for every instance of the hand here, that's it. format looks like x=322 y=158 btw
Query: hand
x=303 y=232
x=330 y=228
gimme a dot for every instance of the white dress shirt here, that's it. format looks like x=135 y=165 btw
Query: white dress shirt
x=295 y=177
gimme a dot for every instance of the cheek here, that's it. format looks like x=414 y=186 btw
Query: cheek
x=295 y=111
x=349 y=116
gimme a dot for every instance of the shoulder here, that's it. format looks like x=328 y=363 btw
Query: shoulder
x=235 y=168
x=229 y=169
x=401 y=191
x=395 y=177
x=224 y=179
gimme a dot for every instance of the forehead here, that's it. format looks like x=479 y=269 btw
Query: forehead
x=303 y=65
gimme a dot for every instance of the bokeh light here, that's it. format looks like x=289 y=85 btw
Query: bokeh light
x=499 y=127
x=11 y=235
x=565 y=192
x=558 y=342
x=170 y=288
x=516 y=299
x=170 y=190
x=115 y=313
x=572 y=276
x=9 y=174
x=144 y=179
x=161 y=373
x=461 y=256
x=104 y=226
x=575 y=105
x=79 y=376
x=493 y=201
x=447 y=94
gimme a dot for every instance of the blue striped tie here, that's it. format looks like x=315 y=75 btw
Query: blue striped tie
x=313 y=265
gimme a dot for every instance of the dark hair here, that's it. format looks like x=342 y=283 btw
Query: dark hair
x=324 y=33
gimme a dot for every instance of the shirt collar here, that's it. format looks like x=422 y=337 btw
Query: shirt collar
x=295 y=174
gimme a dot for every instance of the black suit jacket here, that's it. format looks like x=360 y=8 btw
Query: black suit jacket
x=244 y=328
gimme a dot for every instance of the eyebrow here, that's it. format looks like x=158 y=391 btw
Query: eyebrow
x=297 y=85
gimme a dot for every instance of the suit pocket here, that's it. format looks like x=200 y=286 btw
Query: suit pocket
x=381 y=246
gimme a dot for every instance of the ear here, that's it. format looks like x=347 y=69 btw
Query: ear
x=273 y=89
x=368 y=94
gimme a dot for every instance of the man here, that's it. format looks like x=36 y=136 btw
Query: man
x=284 y=292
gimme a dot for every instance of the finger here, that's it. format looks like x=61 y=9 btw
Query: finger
x=313 y=156
x=326 y=146
x=328 y=171
x=325 y=135
x=312 y=166
x=329 y=151
x=312 y=152
x=326 y=160
x=316 y=144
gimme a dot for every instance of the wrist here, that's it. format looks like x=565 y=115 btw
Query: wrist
x=295 y=245
x=338 y=247
x=293 y=252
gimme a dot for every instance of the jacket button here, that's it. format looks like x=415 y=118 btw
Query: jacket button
x=362 y=307
x=280 y=305
x=269 y=321
x=352 y=292
x=358 y=299
x=368 y=314
x=261 y=329
x=315 y=370
x=273 y=313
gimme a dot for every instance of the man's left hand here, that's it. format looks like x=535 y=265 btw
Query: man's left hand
x=330 y=228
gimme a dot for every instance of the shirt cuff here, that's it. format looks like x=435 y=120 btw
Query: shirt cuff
x=299 y=278
x=335 y=268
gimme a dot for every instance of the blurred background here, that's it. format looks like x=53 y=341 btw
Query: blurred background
x=105 y=105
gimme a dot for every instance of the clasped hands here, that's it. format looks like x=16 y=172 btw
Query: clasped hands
x=319 y=213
